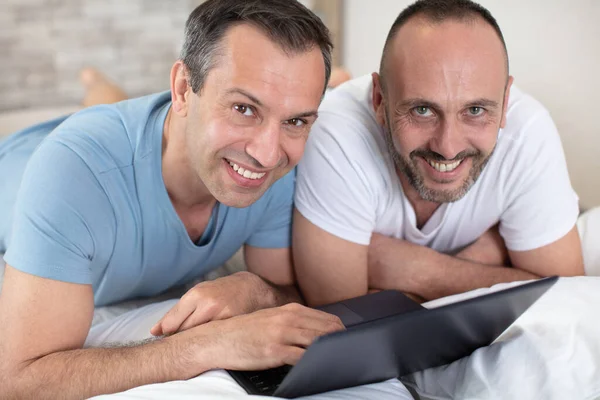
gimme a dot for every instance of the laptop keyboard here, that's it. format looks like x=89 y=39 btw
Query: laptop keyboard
x=267 y=381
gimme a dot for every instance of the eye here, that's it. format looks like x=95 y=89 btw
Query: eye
x=476 y=111
x=423 y=111
x=244 y=110
x=296 y=122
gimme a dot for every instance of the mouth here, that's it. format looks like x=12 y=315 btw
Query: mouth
x=243 y=176
x=246 y=173
x=445 y=172
x=444 y=167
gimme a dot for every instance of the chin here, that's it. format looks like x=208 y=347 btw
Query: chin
x=446 y=194
x=238 y=200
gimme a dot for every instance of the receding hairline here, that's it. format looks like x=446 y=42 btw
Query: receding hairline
x=219 y=51
x=468 y=18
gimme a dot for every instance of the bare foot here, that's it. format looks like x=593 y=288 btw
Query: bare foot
x=99 y=89
x=338 y=76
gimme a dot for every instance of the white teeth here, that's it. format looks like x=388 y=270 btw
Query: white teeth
x=246 y=173
x=444 y=167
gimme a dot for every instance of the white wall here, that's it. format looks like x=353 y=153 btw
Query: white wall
x=554 y=50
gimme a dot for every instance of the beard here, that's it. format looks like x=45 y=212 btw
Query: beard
x=409 y=167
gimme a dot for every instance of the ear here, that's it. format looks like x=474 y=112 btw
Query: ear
x=505 y=105
x=180 y=88
x=377 y=97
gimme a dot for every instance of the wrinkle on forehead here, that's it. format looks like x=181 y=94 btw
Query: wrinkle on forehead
x=449 y=62
x=254 y=61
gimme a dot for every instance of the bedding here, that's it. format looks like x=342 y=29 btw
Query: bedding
x=551 y=352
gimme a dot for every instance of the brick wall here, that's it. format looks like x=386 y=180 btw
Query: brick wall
x=44 y=44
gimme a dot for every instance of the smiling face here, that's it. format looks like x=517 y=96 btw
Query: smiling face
x=248 y=125
x=444 y=98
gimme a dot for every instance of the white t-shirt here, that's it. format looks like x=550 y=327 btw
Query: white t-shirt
x=347 y=184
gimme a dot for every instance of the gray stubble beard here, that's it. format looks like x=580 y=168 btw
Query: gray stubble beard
x=410 y=170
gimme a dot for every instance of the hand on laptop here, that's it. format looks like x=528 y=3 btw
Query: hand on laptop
x=266 y=338
x=211 y=300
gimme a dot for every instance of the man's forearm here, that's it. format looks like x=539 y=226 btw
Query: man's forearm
x=422 y=271
x=272 y=295
x=452 y=275
x=82 y=373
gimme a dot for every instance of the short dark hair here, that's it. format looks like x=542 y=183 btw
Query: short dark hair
x=287 y=23
x=438 y=11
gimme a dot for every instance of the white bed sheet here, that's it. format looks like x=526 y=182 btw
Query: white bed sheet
x=219 y=385
x=551 y=352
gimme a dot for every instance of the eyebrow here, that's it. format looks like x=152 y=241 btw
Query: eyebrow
x=246 y=94
x=411 y=103
x=483 y=103
x=305 y=114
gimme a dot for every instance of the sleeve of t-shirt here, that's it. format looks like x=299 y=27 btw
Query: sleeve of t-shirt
x=542 y=206
x=333 y=190
x=275 y=229
x=59 y=206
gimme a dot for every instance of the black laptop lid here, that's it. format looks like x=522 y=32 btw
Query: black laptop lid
x=371 y=307
x=401 y=344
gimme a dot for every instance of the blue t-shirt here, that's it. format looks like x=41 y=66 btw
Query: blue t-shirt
x=92 y=207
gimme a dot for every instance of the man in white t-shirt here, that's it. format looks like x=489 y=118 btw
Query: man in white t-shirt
x=435 y=176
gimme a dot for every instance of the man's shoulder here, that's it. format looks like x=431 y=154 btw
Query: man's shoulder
x=111 y=136
x=281 y=191
x=267 y=220
x=522 y=113
x=347 y=122
x=351 y=101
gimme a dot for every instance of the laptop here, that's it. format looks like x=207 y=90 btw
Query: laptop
x=388 y=335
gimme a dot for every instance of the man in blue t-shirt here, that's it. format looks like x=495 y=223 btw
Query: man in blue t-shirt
x=131 y=199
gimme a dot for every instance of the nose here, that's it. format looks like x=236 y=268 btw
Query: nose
x=265 y=146
x=448 y=139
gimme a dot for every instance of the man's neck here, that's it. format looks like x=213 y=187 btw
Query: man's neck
x=184 y=187
x=423 y=209
x=191 y=200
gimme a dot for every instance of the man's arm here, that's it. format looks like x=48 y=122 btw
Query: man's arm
x=328 y=269
x=44 y=323
x=274 y=268
x=331 y=269
x=398 y=264
x=269 y=282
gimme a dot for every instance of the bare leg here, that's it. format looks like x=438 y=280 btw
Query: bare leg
x=99 y=89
